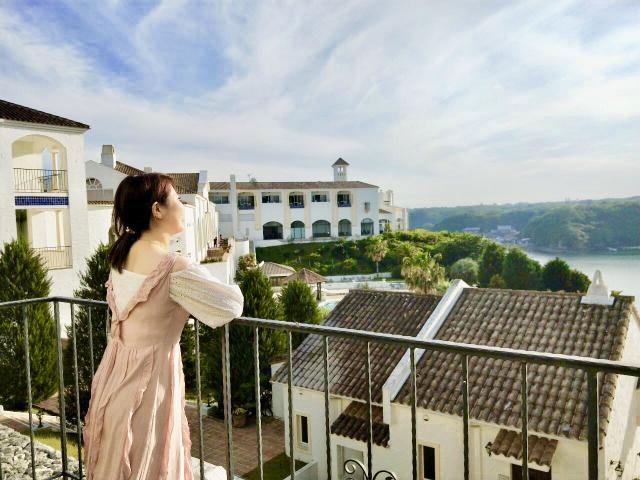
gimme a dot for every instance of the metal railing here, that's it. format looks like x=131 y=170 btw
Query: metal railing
x=55 y=257
x=38 y=180
x=591 y=366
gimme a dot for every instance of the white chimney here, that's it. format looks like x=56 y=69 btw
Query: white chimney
x=598 y=293
x=108 y=156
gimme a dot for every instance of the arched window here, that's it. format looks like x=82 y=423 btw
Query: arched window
x=366 y=227
x=344 y=228
x=272 y=231
x=321 y=228
x=93 y=184
x=297 y=230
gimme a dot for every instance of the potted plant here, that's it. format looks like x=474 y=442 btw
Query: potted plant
x=239 y=417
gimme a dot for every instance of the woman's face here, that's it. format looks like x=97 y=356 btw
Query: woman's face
x=169 y=217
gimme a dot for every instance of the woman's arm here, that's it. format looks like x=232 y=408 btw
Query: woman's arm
x=204 y=296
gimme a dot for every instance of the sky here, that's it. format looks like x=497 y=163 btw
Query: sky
x=444 y=102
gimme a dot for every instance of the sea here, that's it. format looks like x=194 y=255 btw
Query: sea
x=620 y=271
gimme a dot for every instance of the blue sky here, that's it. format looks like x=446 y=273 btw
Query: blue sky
x=447 y=103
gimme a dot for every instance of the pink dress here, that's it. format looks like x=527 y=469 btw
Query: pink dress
x=136 y=427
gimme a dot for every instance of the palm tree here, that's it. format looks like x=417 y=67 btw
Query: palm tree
x=422 y=273
x=376 y=250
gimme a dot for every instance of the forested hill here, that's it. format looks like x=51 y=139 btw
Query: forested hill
x=571 y=225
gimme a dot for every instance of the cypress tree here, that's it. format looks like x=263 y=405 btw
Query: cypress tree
x=299 y=305
x=22 y=276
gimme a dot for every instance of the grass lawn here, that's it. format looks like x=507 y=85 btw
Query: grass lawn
x=275 y=469
x=52 y=439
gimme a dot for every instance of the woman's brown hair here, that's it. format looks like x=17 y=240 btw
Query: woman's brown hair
x=132 y=211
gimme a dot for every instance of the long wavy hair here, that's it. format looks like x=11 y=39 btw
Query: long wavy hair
x=132 y=211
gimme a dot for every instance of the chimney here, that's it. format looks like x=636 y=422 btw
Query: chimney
x=108 y=156
x=598 y=293
x=340 y=170
x=148 y=170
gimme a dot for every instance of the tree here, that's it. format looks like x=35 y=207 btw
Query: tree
x=497 y=282
x=23 y=275
x=459 y=245
x=556 y=275
x=465 y=269
x=578 y=282
x=422 y=273
x=260 y=303
x=245 y=262
x=298 y=305
x=376 y=250
x=92 y=287
x=490 y=263
x=521 y=272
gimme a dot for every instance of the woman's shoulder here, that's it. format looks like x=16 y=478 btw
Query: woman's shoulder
x=181 y=263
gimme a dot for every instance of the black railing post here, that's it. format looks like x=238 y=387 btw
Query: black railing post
x=256 y=360
x=292 y=462
x=593 y=425
x=93 y=371
x=369 y=410
x=465 y=413
x=77 y=388
x=61 y=403
x=327 y=417
x=196 y=326
x=414 y=400
x=524 y=417
x=226 y=387
x=27 y=364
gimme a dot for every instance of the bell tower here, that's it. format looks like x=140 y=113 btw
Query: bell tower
x=340 y=170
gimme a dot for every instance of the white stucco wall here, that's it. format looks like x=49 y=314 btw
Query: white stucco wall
x=99 y=225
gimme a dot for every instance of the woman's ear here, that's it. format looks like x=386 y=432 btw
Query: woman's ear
x=155 y=211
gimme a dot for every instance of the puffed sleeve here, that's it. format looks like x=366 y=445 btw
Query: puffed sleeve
x=204 y=296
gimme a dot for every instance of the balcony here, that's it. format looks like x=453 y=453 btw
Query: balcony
x=592 y=367
x=55 y=257
x=344 y=203
x=36 y=180
x=296 y=204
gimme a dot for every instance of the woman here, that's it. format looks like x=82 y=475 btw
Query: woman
x=136 y=426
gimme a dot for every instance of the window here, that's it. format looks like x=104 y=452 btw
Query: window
x=270 y=198
x=319 y=197
x=516 y=473
x=296 y=200
x=246 y=201
x=302 y=431
x=428 y=463
x=321 y=228
x=344 y=199
x=93 y=184
x=366 y=227
x=297 y=229
x=344 y=228
x=272 y=231
x=367 y=207
x=219 y=198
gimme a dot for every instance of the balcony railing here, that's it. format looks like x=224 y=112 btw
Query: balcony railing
x=591 y=366
x=37 y=180
x=55 y=257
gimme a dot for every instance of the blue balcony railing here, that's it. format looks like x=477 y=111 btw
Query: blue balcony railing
x=592 y=367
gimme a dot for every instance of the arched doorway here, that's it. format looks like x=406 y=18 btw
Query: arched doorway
x=272 y=231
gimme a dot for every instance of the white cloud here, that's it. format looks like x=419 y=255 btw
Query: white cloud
x=443 y=102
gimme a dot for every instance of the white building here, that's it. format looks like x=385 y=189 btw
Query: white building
x=42 y=190
x=269 y=213
x=102 y=180
x=594 y=325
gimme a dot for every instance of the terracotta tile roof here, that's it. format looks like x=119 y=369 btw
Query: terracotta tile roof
x=401 y=313
x=20 y=113
x=527 y=320
x=352 y=423
x=185 y=182
x=307 y=276
x=382 y=210
x=509 y=444
x=272 y=269
x=223 y=186
x=100 y=202
x=127 y=169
